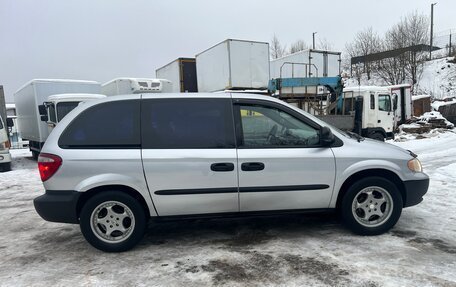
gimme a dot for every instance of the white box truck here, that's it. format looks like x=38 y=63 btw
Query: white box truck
x=5 y=156
x=233 y=64
x=182 y=73
x=307 y=63
x=125 y=86
x=34 y=94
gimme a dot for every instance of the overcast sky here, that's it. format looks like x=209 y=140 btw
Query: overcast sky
x=100 y=40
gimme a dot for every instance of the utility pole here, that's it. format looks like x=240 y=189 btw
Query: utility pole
x=313 y=40
x=432 y=29
x=449 y=50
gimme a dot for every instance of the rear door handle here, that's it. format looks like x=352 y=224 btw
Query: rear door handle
x=252 y=166
x=222 y=166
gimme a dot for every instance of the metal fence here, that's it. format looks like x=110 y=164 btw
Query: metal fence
x=446 y=41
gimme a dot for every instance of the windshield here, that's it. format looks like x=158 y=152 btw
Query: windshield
x=64 y=108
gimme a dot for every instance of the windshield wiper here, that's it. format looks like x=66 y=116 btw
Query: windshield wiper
x=355 y=135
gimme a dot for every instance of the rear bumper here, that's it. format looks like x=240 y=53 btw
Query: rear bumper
x=414 y=191
x=58 y=206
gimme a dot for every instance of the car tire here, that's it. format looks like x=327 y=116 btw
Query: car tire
x=371 y=206
x=113 y=221
x=4 y=167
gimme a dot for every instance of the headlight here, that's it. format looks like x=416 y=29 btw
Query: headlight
x=415 y=165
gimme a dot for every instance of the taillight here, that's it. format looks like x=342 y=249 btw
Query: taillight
x=48 y=164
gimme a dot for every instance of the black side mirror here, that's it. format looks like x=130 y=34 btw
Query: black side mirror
x=9 y=122
x=326 y=136
x=42 y=110
x=44 y=118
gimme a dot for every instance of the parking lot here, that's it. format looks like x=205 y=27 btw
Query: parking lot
x=292 y=250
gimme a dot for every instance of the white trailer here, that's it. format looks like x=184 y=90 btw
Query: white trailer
x=34 y=94
x=307 y=63
x=182 y=73
x=402 y=99
x=123 y=86
x=233 y=64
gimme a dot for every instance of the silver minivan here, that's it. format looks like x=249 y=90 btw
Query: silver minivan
x=112 y=164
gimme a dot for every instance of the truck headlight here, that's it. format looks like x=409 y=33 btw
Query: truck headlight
x=415 y=165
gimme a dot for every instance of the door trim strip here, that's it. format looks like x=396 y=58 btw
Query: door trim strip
x=242 y=189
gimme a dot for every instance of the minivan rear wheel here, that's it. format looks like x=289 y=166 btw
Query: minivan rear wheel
x=113 y=221
x=371 y=206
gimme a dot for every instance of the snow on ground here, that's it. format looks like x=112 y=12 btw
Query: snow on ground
x=298 y=250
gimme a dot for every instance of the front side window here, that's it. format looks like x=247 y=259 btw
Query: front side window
x=384 y=103
x=264 y=127
x=107 y=125
x=64 y=108
x=187 y=123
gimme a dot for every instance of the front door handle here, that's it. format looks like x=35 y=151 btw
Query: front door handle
x=222 y=166
x=379 y=121
x=252 y=166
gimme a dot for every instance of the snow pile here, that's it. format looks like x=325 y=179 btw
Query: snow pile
x=438 y=78
x=433 y=117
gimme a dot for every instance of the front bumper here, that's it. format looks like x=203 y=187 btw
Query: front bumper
x=58 y=206
x=414 y=191
x=5 y=156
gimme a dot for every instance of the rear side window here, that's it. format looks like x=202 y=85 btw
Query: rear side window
x=187 y=124
x=107 y=125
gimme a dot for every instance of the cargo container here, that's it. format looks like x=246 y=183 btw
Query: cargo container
x=233 y=64
x=124 y=86
x=182 y=73
x=402 y=97
x=34 y=94
x=307 y=63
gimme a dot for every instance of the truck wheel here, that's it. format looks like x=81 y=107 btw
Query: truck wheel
x=371 y=206
x=113 y=221
x=5 y=167
x=377 y=136
x=35 y=155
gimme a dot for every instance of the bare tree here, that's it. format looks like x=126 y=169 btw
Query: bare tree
x=324 y=44
x=411 y=31
x=297 y=46
x=365 y=42
x=277 y=50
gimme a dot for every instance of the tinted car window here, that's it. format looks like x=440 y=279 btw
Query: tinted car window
x=187 y=123
x=107 y=125
x=269 y=127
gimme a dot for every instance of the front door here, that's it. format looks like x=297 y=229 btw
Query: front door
x=280 y=161
x=189 y=154
x=385 y=117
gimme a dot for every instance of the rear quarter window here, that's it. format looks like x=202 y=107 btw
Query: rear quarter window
x=106 y=125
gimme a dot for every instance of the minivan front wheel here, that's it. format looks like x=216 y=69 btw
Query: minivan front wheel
x=113 y=221
x=371 y=206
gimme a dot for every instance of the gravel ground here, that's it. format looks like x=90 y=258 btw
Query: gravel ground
x=271 y=251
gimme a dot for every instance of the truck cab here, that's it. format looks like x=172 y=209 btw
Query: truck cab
x=375 y=110
x=5 y=156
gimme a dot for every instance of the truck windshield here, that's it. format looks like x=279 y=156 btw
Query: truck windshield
x=64 y=108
